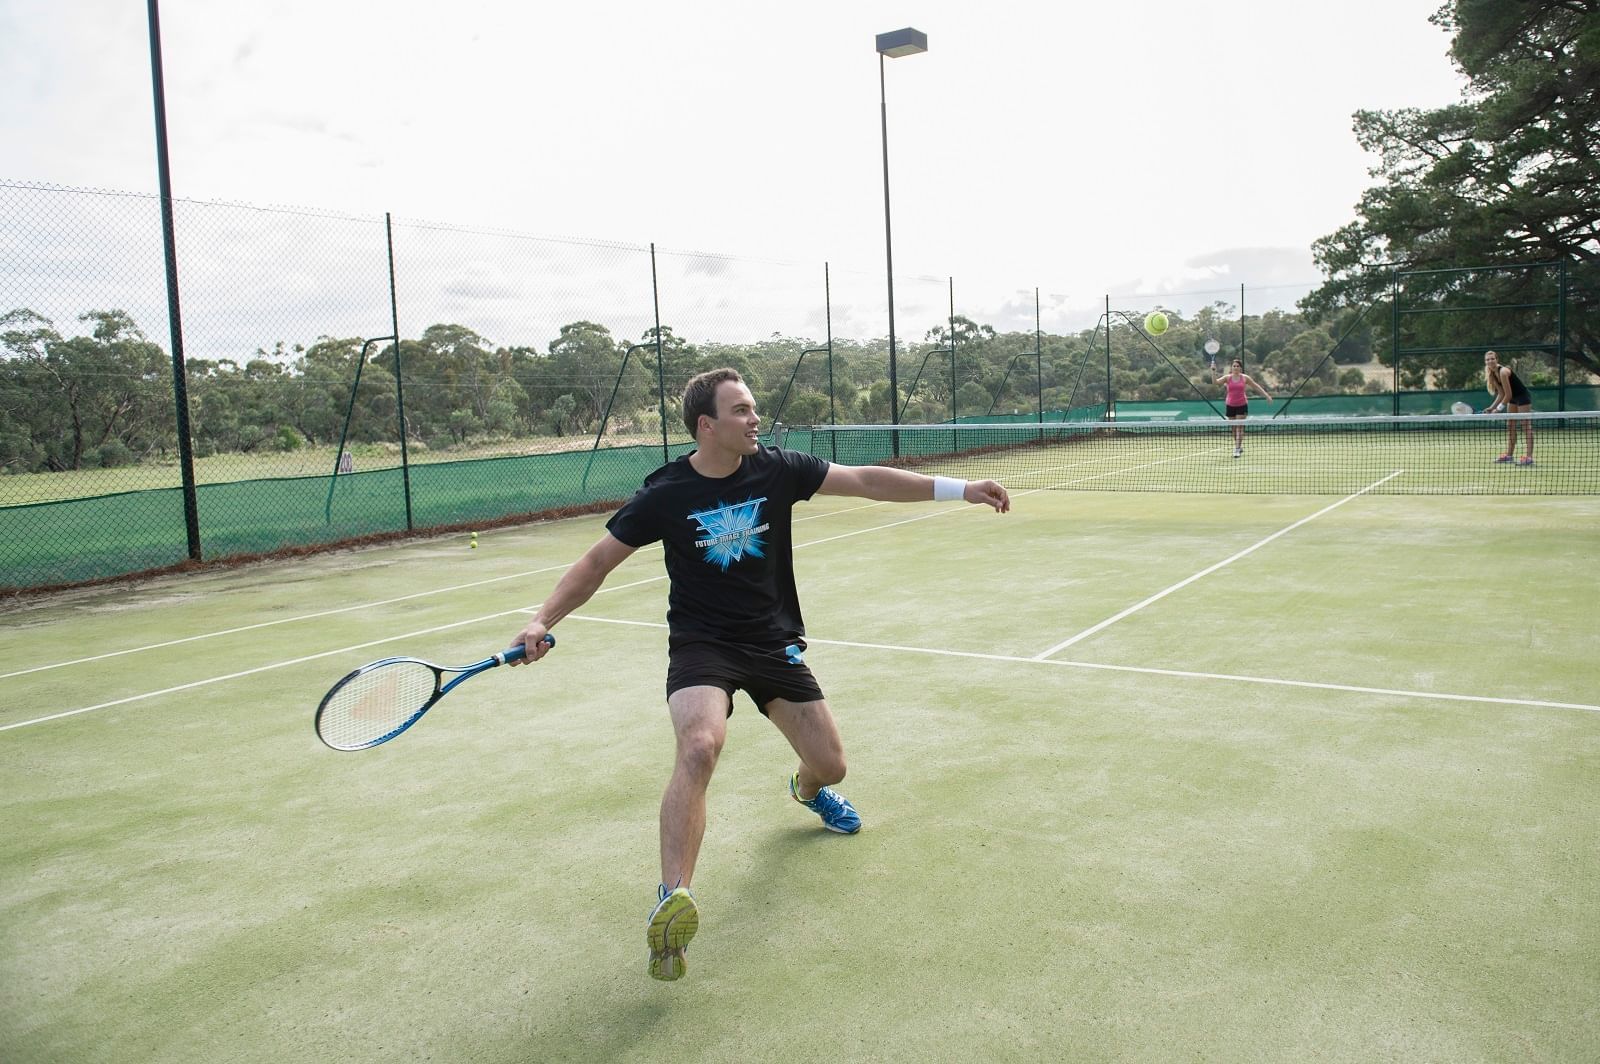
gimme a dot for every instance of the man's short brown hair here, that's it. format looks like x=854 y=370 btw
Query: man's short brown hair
x=700 y=397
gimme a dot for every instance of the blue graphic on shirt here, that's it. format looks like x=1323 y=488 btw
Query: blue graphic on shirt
x=731 y=532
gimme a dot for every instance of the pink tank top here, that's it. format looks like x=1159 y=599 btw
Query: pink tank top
x=1236 y=396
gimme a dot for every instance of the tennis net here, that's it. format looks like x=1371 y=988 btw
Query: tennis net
x=1408 y=455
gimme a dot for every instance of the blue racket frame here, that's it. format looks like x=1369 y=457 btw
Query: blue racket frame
x=440 y=688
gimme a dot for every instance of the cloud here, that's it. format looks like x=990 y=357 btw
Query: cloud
x=1272 y=278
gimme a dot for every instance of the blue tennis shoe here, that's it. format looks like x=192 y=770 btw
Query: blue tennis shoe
x=834 y=808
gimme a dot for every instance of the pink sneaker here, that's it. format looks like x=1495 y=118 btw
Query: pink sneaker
x=1524 y=461
x=1504 y=458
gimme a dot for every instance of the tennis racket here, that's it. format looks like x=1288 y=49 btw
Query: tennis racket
x=1460 y=408
x=379 y=701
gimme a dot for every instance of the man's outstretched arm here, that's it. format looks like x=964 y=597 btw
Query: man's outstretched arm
x=574 y=589
x=885 y=484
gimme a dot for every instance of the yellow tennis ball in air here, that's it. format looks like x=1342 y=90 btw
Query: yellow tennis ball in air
x=1155 y=323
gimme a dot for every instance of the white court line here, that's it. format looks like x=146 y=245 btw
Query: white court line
x=491 y=616
x=887 y=647
x=878 y=528
x=251 y=672
x=842 y=510
x=466 y=586
x=280 y=620
x=1146 y=671
x=411 y=635
x=344 y=609
x=1144 y=465
x=428 y=631
x=310 y=657
x=1159 y=595
x=936 y=652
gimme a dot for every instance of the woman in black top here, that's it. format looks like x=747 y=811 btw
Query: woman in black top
x=1509 y=394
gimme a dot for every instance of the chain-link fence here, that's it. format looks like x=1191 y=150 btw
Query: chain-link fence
x=531 y=374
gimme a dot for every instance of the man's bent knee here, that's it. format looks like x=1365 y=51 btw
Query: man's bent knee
x=828 y=772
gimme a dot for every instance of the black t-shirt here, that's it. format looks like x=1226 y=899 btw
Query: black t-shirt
x=728 y=543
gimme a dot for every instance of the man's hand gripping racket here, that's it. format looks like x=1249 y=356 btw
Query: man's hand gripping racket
x=379 y=701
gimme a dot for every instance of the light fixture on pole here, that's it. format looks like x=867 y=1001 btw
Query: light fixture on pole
x=893 y=45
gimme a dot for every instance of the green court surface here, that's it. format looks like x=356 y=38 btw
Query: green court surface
x=1145 y=777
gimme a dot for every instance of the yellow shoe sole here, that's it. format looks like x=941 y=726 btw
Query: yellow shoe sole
x=672 y=925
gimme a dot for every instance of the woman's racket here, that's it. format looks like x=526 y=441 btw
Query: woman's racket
x=1460 y=409
x=379 y=701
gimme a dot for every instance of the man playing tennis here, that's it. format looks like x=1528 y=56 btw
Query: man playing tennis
x=722 y=513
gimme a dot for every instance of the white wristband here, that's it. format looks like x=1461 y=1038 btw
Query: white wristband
x=949 y=489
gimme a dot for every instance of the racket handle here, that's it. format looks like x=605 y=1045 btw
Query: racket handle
x=517 y=653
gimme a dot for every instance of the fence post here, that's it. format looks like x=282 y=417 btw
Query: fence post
x=953 y=418
x=399 y=387
x=1038 y=356
x=1111 y=408
x=344 y=433
x=606 y=416
x=1241 y=325
x=180 y=374
x=661 y=368
x=827 y=312
x=1394 y=333
x=1561 y=339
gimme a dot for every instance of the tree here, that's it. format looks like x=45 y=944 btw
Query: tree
x=450 y=375
x=559 y=412
x=327 y=372
x=1508 y=175
x=806 y=408
x=680 y=358
x=583 y=362
x=73 y=396
x=1288 y=368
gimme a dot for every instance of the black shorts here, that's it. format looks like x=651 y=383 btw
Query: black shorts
x=764 y=672
x=1237 y=411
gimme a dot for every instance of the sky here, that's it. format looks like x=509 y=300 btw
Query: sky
x=1145 y=147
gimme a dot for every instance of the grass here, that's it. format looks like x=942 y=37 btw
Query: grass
x=22 y=489
x=1137 y=849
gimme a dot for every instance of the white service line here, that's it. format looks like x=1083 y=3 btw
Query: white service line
x=490 y=616
x=1146 y=671
x=258 y=669
x=1159 y=595
x=390 y=639
x=1142 y=465
x=344 y=609
x=280 y=620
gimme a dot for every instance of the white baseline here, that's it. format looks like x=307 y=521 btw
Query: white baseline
x=1190 y=674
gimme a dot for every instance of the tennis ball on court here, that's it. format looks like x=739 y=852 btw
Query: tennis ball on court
x=474 y=544
x=1155 y=323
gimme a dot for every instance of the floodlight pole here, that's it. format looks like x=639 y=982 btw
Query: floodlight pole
x=888 y=249
x=169 y=243
x=892 y=45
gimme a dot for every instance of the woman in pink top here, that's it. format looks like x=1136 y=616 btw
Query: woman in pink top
x=1238 y=403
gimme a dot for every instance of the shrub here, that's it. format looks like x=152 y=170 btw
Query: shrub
x=112 y=455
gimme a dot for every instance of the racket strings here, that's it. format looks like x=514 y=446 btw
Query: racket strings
x=376 y=702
